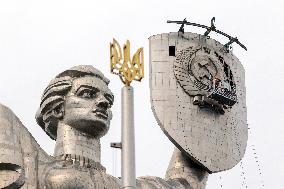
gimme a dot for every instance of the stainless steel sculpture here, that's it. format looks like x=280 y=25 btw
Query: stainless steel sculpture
x=197 y=96
x=75 y=111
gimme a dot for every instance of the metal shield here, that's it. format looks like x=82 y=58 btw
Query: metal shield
x=198 y=98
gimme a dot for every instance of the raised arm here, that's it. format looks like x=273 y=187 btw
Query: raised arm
x=184 y=170
x=182 y=173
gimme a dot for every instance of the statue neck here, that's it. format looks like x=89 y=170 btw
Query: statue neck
x=73 y=142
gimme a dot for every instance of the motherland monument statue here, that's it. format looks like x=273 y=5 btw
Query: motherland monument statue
x=198 y=99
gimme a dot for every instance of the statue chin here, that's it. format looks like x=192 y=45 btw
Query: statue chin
x=93 y=128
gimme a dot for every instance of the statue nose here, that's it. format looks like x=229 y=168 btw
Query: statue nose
x=102 y=102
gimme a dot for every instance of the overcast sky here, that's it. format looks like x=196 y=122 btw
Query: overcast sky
x=39 y=39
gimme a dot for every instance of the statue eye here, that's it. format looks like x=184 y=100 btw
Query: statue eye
x=87 y=93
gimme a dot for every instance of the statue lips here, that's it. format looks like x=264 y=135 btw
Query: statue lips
x=101 y=113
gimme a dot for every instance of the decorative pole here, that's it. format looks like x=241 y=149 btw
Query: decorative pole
x=128 y=70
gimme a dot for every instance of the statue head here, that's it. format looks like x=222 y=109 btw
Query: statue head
x=78 y=97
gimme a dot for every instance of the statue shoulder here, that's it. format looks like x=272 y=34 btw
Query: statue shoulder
x=20 y=153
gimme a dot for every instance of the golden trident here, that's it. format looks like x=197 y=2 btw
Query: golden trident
x=127 y=69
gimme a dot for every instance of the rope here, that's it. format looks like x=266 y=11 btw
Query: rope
x=256 y=158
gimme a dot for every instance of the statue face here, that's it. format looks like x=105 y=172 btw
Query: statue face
x=87 y=106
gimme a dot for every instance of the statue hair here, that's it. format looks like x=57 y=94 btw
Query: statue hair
x=54 y=95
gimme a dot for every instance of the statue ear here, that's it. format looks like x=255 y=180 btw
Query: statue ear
x=58 y=111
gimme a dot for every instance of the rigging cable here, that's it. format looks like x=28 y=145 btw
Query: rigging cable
x=256 y=158
x=243 y=175
x=221 y=184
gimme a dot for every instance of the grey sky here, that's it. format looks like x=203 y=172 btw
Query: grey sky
x=39 y=39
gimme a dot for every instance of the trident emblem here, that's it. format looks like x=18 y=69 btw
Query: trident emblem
x=122 y=65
